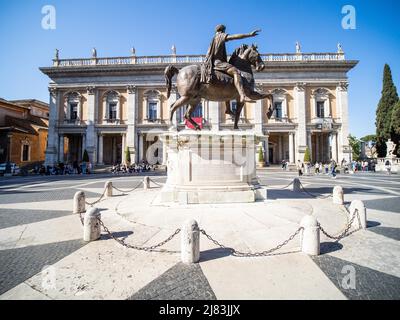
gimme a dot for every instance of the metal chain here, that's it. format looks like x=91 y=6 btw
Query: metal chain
x=346 y=230
x=252 y=254
x=98 y=200
x=127 y=191
x=156 y=183
x=269 y=187
x=313 y=195
x=127 y=245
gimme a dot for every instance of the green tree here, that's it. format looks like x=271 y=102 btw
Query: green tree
x=260 y=155
x=355 y=145
x=85 y=157
x=384 y=111
x=127 y=156
x=368 y=138
x=395 y=127
x=307 y=156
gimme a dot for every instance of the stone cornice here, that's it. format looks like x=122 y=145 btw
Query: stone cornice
x=157 y=69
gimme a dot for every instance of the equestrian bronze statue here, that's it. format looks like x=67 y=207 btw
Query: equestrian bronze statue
x=218 y=79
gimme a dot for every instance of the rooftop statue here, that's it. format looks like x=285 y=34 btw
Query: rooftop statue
x=218 y=79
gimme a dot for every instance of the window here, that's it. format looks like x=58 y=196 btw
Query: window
x=152 y=115
x=320 y=109
x=73 y=107
x=278 y=110
x=112 y=111
x=198 y=112
x=25 y=152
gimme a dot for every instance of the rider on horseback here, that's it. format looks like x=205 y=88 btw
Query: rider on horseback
x=216 y=59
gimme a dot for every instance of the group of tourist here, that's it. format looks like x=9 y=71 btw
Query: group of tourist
x=329 y=168
x=134 y=168
x=63 y=169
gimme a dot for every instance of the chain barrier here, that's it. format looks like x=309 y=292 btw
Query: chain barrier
x=98 y=200
x=156 y=183
x=314 y=195
x=269 y=187
x=252 y=254
x=127 y=245
x=346 y=230
x=130 y=190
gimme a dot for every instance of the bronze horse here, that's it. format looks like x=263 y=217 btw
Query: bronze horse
x=221 y=88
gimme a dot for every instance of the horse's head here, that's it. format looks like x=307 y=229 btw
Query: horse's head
x=253 y=56
x=248 y=54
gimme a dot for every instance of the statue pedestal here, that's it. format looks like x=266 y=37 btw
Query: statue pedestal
x=210 y=167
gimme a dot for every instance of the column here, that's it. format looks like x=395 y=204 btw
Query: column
x=258 y=117
x=123 y=158
x=328 y=145
x=317 y=142
x=300 y=109
x=280 y=147
x=52 y=140
x=284 y=108
x=83 y=144
x=313 y=107
x=61 y=149
x=342 y=110
x=213 y=107
x=140 y=146
x=90 y=131
x=266 y=149
x=309 y=144
x=132 y=102
x=100 y=148
x=291 y=147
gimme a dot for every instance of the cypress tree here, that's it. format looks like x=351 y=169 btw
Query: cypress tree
x=384 y=111
x=395 y=127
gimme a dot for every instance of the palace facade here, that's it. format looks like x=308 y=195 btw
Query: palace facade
x=109 y=105
x=23 y=131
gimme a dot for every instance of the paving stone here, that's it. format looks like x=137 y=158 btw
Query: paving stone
x=15 y=217
x=370 y=284
x=181 y=282
x=18 y=265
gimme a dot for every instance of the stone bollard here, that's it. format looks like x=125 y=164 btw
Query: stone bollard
x=146 y=183
x=310 y=242
x=360 y=207
x=79 y=202
x=296 y=185
x=91 y=225
x=109 y=189
x=337 y=195
x=190 y=242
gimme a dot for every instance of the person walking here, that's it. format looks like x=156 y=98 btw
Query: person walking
x=299 y=168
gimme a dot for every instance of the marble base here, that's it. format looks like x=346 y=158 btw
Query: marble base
x=210 y=167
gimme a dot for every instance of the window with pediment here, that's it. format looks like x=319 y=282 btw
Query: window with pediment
x=152 y=100
x=321 y=103
x=111 y=105
x=73 y=106
x=280 y=104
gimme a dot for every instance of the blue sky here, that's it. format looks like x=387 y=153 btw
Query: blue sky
x=113 y=27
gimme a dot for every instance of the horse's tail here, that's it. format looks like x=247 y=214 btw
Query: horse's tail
x=169 y=72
